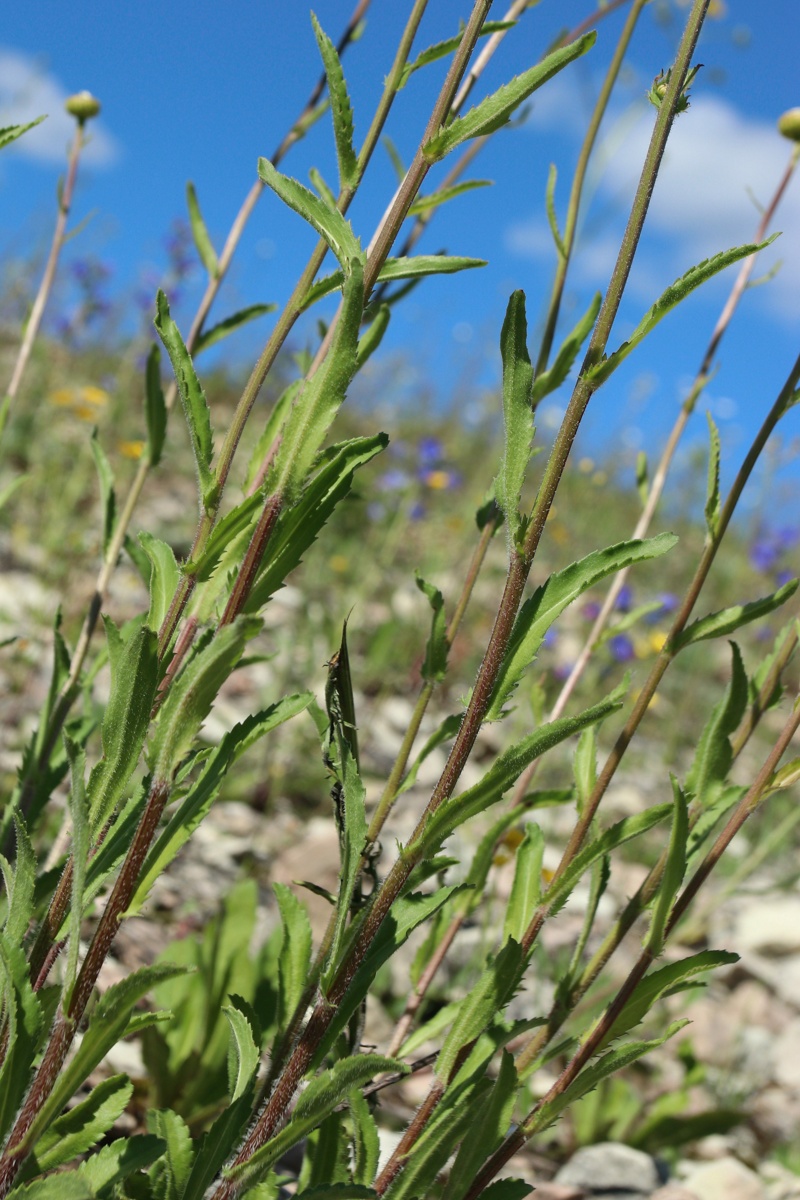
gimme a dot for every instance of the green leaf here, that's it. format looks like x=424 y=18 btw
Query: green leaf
x=11 y=132
x=169 y=1175
x=434 y=668
x=674 y=871
x=728 y=620
x=415 y=266
x=196 y=803
x=550 y=380
x=341 y=110
x=193 y=399
x=297 y=527
x=584 y=766
x=642 y=484
x=372 y=336
x=503 y=774
x=84 y=1125
x=366 y=1142
x=295 y=955
x=394 y=158
x=527 y=886
x=714 y=756
x=609 y=1064
x=107 y=493
x=321 y=397
x=109 y=1022
x=328 y=222
x=446 y=731
x=239 y=519
x=200 y=235
x=222 y=329
x=550 y=205
x=155 y=407
x=189 y=700
x=134 y=676
x=539 y=612
x=337 y=1191
x=494 y=111
x=668 y=300
x=624 y=830
x=319 y=183
x=485 y=1132
x=442 y=49
x=25 y=1023
x=426 y=204
x=112 y=1164
x=322 y=1095
x=673 y=976
x=164 y=578
x=67 y=1185
x=480 y=1007
x=81 y=845
x=712 y=488
x=517 y=413
x=508 y=1189
x=20 y=882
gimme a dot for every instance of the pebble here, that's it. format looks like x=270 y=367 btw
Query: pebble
x=725 y=1179
x=609 y=1170
x=769 y=926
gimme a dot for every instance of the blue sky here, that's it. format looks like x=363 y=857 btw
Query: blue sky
x=198 y=90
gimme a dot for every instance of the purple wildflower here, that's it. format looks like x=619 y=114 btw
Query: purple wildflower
x=621 y=648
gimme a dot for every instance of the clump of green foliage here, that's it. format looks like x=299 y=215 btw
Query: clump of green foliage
x=251 y=1056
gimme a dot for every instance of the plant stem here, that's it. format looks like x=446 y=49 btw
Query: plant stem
x=46 y=285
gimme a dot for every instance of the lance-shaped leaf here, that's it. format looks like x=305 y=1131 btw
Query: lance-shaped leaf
x=222 y=329
x=668 y=300
x=480 y=1007
x=189 y=700
x=81 y=842
x=324 y=191
x=550 y=206
x=674 y=871
x=548 y=381
x=66 y=1185
x=20 y=881
x=728 y=620
x=426 y=204
x=609 y=1064
x=155 y=407
x=486 y=1131
x=112 y=1164
x=295 y=955
x=624 y=831
x=663 y=982
x=164 y=577
x=169 y=1174
x=504 y=772
x=297 y=527
x=517 y=412
x=341 y=110
x=494 y=112
x=441 y=49
x=109 y=1022
x=268 y=438
x=10 y=133
x=203 y=791
x=365 y=1140
x=712 y=487
x=323 y=1094
x=134 y=675
x=195 y=405
x=240 y=518
x=107 y=493
x=200 y=234
x=328 y=222
x=508 y=1189
x=25 y=1023
x=83 y=1126
x=372 y=336
x=434 y=668
x=320 y=400
x=415 y=266
x=714 y=756
x=527 y=886
x=539 y=612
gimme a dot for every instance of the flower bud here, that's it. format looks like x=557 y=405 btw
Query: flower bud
x=83 y=106
x=789 y=124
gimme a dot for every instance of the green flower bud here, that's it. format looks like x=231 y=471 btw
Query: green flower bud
x=789 y=124
x=83 y=106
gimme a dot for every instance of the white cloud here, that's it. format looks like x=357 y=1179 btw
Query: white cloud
x=27 y=91
x=716 y=161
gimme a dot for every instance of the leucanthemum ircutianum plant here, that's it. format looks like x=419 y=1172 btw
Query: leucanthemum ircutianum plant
x=287 y=1066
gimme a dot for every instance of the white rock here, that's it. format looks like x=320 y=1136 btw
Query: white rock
x=770 y=927
x=610 y=1167
x=786 y=1051
x=725 y=1179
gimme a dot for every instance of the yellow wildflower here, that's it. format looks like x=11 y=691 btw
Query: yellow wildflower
x=338 y=563
x=131 y=449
